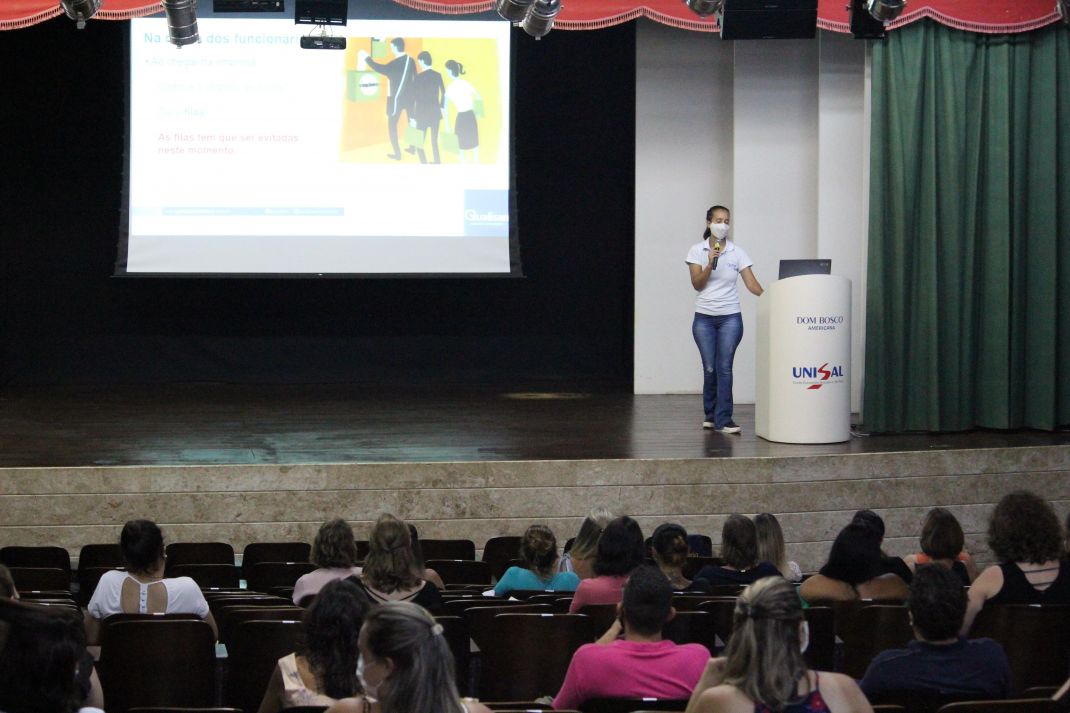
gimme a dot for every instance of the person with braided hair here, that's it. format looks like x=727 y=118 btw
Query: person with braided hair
x=763 y=669
x=538 y=549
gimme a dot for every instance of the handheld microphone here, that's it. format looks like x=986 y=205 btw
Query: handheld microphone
x=714 y=265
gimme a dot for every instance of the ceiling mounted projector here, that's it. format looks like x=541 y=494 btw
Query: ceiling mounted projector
x=80 y=10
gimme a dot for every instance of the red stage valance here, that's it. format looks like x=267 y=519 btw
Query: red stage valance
x=993 y=16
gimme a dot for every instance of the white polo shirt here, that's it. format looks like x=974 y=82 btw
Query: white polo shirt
x=719 y=296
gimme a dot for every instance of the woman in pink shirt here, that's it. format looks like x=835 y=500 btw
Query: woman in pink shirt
x=335 y=552
x=620 y=550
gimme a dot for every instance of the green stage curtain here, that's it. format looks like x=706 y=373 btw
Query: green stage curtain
x=968 y=298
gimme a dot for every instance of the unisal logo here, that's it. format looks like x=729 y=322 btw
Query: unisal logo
x=814 y=377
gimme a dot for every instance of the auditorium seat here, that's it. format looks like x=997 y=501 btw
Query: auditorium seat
x=457 y=606
x=255 y=552
x=448 y=549
x=1019 y=705
x=722 y=609
x=498 y=551
x=630 y=705
x=43 y=556
x=1035 y=638
x=455 y=630
x=93 y=561
x=517 y=705
x=254 y=647
x=198 y=553
x=821 y=653
x=529 y=654
x=232 y=617
x=266 y=576
x=692 y=627
x=693 y=564
x=222 y=576
x=482 y=620
x=50 y=579
x=165 y=709
x=602 y=617
x=461 y=571
x=157 y=662
x=868 y=630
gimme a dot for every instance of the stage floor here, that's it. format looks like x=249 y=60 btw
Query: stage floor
x=225 y=424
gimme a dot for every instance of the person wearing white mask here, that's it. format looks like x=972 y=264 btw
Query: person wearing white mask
x=405 y=665
x=763 y=669
x=715 y=263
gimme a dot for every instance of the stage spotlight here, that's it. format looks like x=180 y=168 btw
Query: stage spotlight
x=80 y=10
x=539 y=19
x=885 y=10
x=704 y=8
x=181 y=21
x=512 y=10
x=1063 y=8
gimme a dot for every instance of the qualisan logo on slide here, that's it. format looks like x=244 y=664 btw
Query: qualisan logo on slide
x=486 y=213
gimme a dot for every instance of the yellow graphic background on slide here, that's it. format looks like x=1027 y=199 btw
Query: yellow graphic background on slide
x=365 y=137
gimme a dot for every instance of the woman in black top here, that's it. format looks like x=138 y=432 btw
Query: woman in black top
x=739 y=550
x=391 y=572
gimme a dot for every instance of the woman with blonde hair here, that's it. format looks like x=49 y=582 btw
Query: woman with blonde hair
x=391 y=573
x=771 y=546
x=763 y=669
x=580 y=558
x=538 y=549
x=405 y=665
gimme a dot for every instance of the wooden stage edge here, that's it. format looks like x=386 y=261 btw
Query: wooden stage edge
x=247 y=464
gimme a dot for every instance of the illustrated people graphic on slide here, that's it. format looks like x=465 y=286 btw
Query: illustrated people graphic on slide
x=401 y=71
x=429 y=105
x=463 y=97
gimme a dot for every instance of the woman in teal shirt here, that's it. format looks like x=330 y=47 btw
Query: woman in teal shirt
x=539 y=552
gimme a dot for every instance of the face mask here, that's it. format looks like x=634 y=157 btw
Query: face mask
x=804 y=637
x=719 y=230
x=370 y=691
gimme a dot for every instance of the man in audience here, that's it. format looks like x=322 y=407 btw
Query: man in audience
x=939 y=663
x=641 y=664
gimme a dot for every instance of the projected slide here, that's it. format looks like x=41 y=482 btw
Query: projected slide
x=250 y=155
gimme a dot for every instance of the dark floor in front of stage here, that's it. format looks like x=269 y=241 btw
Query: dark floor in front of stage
x=239 y=424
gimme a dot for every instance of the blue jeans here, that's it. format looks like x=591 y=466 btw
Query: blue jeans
x=717 y=338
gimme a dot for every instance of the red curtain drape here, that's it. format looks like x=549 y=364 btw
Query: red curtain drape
x=994 y=16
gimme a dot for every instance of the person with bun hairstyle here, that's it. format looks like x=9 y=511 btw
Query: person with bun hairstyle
x=142 y=588
x=334 y=552
x=670 y=550
x=325 y=670
x=763 y=668
x=715 y=263
x=620 y=550
x=391 y=572
x=405 y=665
x=580 y=558
x=539 y=552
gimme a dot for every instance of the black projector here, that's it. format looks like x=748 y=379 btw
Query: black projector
x=768 y=19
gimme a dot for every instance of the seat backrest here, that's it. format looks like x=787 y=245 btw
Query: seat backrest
x=455 y=630
x=208 y=575
x=168 y=709
x=52 y=579
x=255 y=552
x=499 y=550
x=198 y=553
x=109 y=556
x=253 y=650
x=722 y=609
x=692 y=627
x=693 y=564
x=480 y=620
x=448 y=549
x=602 y=616
x=265 y=576
x=1035 y=638
x=157 y=662
x=517 y=705
x=821 y=653
x=232 y=617
x=528 y=654
x=1020 y=705
x=629 y=705
x=870 y=630
x=44 y=556
x=456 y=606
x=88 y=579
x=461 y=571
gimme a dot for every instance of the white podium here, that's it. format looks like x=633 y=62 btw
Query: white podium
x=804 y=360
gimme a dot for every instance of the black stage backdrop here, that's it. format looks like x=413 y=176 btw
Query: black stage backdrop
x=66 y=320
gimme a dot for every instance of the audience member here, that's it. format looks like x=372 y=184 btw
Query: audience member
x=334 y=552
x=889 y=564
x=620 y=550
x=669 y=549
x=854 y=570
x=771 y=547
x=422 y=569
x=44 y=666
x=1025 y=536
x=642 y=663
x=142 y=589
x=739 y=550
x=325 y=670
x=405 y=665
x=390 y=570
x=580 y=558
x=940 y=663
x=763 y=669
x=538 y=549
x=942 y=542
x=7 y=584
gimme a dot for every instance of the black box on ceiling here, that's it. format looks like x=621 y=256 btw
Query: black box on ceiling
x=768 y=19
x=321 y=12
x=248 y=6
